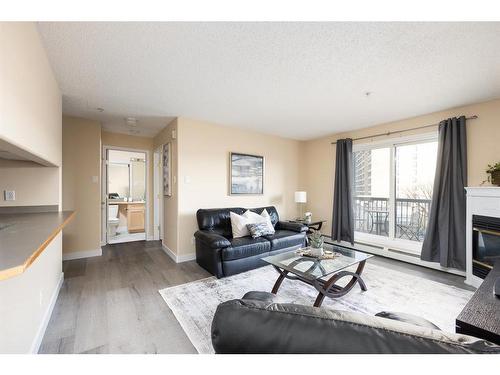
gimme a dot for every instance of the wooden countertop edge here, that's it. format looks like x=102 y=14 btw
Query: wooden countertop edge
x=14 y=271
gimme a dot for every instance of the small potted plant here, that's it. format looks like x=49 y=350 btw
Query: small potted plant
x=316 y=242
x=494 y=173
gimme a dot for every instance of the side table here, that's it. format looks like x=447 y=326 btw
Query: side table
x=311 y=225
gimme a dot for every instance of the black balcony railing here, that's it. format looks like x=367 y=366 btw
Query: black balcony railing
x=371 y=215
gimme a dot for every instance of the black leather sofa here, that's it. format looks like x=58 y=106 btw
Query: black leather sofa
x=222 y=255
x=258 y=324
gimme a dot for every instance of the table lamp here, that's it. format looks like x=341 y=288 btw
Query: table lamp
x=301 y=198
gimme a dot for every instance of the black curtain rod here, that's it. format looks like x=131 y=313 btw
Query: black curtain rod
x=405 y=130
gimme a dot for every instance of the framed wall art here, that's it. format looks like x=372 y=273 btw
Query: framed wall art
x=167 y=169
x=246 y=174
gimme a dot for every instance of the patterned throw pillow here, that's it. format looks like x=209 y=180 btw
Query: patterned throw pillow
x=262 y=218
x=259 y=229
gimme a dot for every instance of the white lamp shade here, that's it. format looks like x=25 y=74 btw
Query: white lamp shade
x=300 y=197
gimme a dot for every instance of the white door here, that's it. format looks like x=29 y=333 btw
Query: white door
x=104 y=197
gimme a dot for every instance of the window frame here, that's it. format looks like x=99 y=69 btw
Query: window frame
x=390 y=242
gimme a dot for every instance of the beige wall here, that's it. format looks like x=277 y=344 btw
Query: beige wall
x=81 y=163
x=30 y=101
x=138 y=143
x=170 y=204
x=203 y=175
x=35 y=185
x=483 y=135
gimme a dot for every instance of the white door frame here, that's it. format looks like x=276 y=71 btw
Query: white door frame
x=104 y=190
x=158 y=194
x=104 y=197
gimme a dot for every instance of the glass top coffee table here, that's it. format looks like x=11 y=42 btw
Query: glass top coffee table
x=323 y=274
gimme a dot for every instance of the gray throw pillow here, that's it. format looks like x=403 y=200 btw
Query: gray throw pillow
x=259 y=229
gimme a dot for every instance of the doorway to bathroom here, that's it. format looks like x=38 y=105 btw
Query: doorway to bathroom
x=124 y=191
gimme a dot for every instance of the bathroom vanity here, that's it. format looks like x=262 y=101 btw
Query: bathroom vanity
x=131 y=214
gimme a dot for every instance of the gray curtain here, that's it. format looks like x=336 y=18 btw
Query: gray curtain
x=445 y=237
x=343 y=215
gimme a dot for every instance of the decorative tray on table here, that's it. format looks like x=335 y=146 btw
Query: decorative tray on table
x=308 y=252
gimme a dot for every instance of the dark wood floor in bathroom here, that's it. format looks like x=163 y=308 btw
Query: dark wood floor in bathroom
x=111 y=304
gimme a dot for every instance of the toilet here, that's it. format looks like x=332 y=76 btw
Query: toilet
x=113 y=220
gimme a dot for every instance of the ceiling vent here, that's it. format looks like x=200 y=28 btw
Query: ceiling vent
x=131 y=121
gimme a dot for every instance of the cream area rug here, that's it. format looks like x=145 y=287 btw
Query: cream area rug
x=194 y=304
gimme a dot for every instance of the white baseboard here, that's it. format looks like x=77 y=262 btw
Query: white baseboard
x=169 y=252
x=83 y=254
x=178 y=258
x=186 y=257
x=150 y=238
x=35 y=346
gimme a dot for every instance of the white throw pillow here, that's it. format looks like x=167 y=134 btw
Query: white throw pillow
x=239 y=225
x=269 y=223
x=239 y=222
x=253 y=217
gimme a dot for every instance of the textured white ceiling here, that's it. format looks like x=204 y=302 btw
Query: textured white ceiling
x=298 y=80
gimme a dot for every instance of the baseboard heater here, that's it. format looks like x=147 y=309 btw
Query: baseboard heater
x=406 y=253
x=369 y=245
x=388 y=249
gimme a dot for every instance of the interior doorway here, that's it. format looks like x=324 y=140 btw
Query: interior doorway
x=125 y=195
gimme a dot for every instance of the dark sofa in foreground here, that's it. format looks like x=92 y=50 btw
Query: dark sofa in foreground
x=222 y=255
x=257 y=323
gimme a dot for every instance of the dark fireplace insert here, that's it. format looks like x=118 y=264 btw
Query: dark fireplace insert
x=485 y=244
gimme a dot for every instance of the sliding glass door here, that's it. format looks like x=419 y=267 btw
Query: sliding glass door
x=392 y=190
x=372 y=191
x=415 y=166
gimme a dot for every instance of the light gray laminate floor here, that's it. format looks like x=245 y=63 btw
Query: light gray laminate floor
x=111 y=304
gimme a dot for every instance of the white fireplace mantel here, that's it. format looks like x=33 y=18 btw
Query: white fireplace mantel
x=480 y=201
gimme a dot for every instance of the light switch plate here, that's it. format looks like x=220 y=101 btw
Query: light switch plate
x=9 y=195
